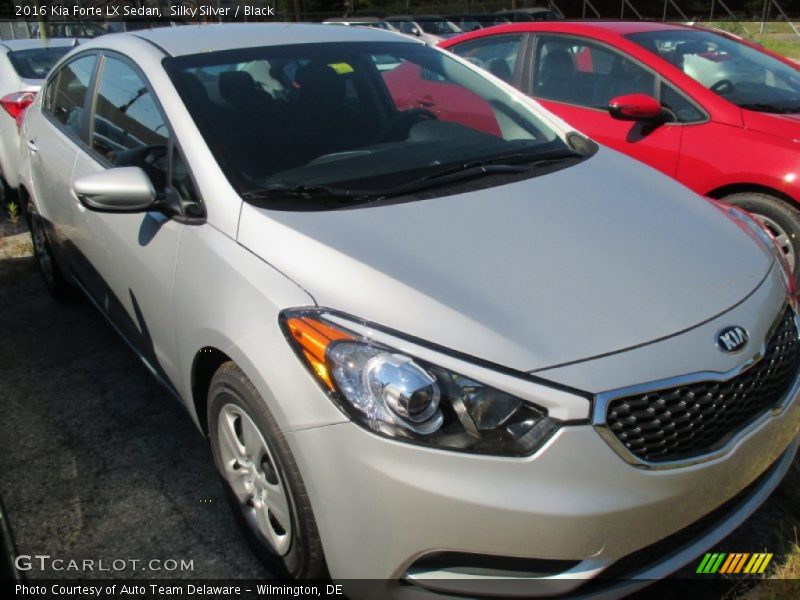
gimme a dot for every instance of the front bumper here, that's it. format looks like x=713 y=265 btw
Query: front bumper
x=384 y=507
x=380 y=505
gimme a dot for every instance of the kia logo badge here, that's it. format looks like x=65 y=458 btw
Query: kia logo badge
x=732 y=339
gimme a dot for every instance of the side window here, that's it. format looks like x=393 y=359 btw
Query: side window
x=498 y=55
x=66 y=92
x=576 y=71
x=685 y=111
x=128 y=128
x=405 y=26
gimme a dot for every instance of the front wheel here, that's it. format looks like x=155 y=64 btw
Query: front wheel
x=780 y=218
x=261 y=478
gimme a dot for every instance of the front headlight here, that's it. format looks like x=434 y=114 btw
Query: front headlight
x=405 y=398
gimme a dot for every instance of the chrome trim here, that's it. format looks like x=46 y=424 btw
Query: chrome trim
x=602 y=400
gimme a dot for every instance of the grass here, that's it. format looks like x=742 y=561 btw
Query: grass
x=776 y=530
x=790 y=48
x=775 y=27
x=776 y=38
x=788 y=571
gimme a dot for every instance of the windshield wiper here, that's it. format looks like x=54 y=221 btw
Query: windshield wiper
x=511 y=163
x=771 y=108
x=505 y=163
x=516 y=158
x=284 y=190
x=301 y=191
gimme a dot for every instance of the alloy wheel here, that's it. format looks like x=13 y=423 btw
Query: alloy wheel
x=782 y=238
x=250 y=469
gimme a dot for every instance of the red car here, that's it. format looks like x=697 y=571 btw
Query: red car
x=720 y=115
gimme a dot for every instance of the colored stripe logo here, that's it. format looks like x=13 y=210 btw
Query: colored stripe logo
x=734 y=563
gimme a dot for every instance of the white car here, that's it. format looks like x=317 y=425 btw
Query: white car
x=23 y=66
x=362 y=22
x=430 y=29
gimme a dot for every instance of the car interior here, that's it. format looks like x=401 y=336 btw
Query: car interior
x=586 y=75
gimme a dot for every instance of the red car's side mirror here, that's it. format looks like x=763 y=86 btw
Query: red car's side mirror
x=636 y=107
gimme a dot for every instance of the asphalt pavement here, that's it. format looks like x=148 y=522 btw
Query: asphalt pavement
x=97 y=461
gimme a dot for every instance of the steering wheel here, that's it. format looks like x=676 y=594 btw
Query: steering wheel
x=722 y=87
x=399 y=125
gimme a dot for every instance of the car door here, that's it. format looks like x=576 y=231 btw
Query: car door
x=52 y=136
x=131 y=258
x=577 y=78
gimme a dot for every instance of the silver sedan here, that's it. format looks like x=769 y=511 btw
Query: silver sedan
x=432 y=333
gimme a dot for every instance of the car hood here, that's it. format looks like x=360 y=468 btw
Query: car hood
x=589 y=260
x=784 y=126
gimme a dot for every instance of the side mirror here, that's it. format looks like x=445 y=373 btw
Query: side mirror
x=415 y=31
x=636 y=107
x=118 y=190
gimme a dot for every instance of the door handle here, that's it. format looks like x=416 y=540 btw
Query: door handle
x=32 y=145
x=426 y=101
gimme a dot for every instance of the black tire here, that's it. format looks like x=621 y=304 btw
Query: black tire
x=781 y=213
x=52 y=275
x=304 y=558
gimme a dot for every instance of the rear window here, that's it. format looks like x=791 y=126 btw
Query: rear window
x=36 y=63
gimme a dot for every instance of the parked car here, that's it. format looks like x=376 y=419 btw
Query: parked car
x=418 y=348
x=361 y=22
x=66 y=29
x=530 y=15
x=471 y=22
x=718 y=114
x=23 y=66
x=429 y=28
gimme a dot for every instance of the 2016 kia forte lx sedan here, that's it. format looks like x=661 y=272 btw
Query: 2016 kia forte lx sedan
x=424 y=347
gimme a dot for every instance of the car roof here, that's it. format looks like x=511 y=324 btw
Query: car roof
x=194 y=39
x=30 y=44
x=601 y=29
x=475 y=16
x=618 y=27
x=353 y=20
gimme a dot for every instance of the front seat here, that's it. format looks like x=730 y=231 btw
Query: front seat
x=556 y=76
x=321 y=95
x=500 y=69
x=239 y=89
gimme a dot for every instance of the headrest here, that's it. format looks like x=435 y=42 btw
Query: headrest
x=238 y=88
x=320 y=81
x=558 y=61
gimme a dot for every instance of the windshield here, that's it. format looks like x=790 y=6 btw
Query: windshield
x=442 y=27
x=357 y=118
x=741 y=74
x=36 y=62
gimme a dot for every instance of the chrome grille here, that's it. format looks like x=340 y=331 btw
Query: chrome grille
x=690 y=420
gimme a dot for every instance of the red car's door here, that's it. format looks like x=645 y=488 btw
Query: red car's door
x=576 y=78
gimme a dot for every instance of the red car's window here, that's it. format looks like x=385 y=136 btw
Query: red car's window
x=739 y=73
x=575 y=71
x=497 y=54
